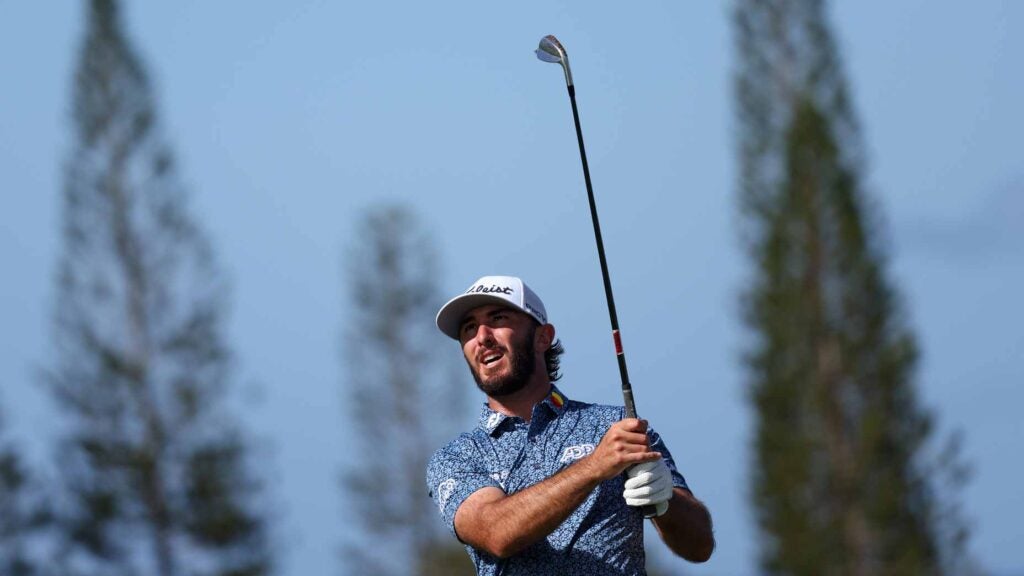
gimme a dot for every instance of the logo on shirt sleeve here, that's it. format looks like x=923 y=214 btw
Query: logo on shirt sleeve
x=444 y=492
x=573 y=453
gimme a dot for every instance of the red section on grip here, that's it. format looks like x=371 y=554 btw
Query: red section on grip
x=618 y=342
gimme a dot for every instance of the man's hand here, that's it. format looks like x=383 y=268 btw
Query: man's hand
x=649 y=484
x=623 y=445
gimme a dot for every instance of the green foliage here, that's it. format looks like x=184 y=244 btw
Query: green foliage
x=153 y=471
x=403 y=399
x=24 y=515
x=842 y=482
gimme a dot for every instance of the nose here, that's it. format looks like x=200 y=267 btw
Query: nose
x=484 y=335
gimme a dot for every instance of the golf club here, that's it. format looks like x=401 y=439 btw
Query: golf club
x=551 y=50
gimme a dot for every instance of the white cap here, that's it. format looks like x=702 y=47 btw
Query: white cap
x=506 y=290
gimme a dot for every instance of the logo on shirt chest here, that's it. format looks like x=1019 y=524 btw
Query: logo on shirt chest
x=573 y=453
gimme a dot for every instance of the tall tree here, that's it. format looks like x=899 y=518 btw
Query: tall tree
x=155 y=471
x=403 y=397
x=844 y=480
x=24 y=515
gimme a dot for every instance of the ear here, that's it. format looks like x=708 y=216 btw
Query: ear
x=543 y=338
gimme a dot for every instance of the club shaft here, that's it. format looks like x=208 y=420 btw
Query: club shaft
x=627 y=389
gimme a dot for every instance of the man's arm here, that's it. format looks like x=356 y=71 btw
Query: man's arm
x=531 y=514
x=686 y=527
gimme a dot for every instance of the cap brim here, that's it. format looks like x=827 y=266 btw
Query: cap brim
x=449 y=317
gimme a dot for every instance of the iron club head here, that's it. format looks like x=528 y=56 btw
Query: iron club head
x=551 y=50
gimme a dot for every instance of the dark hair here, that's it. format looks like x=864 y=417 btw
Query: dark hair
x=552 y=356
x=553 y=361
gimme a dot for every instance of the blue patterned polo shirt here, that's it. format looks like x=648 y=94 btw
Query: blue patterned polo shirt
x=602 y=536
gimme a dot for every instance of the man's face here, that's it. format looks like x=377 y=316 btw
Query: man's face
x=499 y=346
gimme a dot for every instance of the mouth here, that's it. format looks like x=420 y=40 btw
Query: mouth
x=491 y=358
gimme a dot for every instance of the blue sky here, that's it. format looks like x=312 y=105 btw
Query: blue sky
x=290 y=120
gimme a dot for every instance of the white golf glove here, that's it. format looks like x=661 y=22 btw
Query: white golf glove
x=647 y=484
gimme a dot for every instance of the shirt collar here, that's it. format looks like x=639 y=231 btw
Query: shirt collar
x=556 y=400
x=490 y=420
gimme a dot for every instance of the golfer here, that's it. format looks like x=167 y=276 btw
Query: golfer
x=545 y=484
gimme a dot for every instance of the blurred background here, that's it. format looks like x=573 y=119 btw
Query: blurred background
x=227 y=227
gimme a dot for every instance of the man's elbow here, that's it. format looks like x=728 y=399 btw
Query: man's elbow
x=504 y=550
x=474 y=525
x=494 y=542
x=501 y=548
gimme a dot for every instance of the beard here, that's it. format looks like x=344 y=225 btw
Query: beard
x=522 y=365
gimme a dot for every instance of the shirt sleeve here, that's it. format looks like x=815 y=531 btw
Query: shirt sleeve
x=658 y=444
x=453 y=473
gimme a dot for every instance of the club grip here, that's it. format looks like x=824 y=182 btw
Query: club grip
x=648 y=511
x=627 y=397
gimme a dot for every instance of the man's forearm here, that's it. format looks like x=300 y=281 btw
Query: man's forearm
x=529 y=515
x=686 y=527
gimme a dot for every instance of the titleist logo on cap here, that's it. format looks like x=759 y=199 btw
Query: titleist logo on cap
x=492 y=289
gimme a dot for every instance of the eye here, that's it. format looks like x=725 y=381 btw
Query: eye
x=468 y=328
